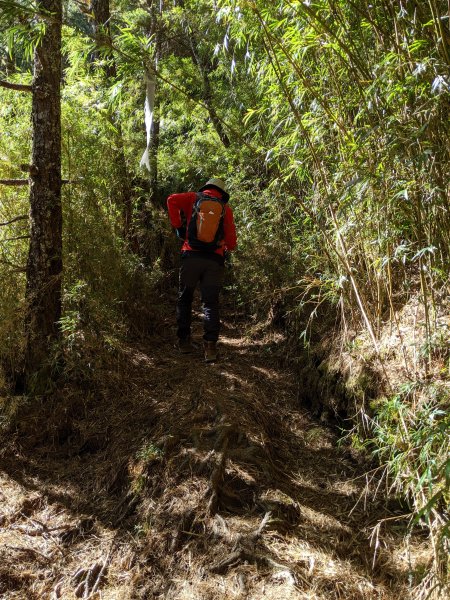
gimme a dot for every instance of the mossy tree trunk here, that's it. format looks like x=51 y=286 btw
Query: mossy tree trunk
x=44 y=265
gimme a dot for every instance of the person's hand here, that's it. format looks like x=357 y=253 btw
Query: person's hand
x=181 y=233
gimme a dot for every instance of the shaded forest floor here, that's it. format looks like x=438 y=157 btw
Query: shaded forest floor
x=174 y=479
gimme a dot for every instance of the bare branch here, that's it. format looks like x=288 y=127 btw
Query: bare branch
x=13 y=181
x=26 y=181
x=13 y=239
x=19 y=218
x=19 y=87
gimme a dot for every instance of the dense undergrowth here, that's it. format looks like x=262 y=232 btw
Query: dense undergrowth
x=337 y=116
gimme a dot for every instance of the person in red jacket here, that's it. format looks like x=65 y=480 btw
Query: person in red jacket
x=201 y=262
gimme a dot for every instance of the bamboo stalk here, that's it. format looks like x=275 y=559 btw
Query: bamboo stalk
x=356 y=291
x=315 y=18
x=393 y=314
x=342 y=256
x=440 y=31
x=424 y=290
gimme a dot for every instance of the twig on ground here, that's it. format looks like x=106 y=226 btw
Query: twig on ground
x=217 y=476
x=103 y=569
x=89 y=580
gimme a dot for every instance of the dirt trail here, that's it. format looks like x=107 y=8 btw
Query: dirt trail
x=179 y=480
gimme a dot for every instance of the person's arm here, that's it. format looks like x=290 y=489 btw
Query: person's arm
x=229 y=230
x=177 y=204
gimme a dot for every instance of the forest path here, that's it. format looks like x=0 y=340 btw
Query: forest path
x=179 y=480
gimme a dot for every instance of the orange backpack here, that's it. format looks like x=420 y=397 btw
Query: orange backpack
x=205 y=230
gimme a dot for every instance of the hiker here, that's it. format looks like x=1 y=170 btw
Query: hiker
x=204 y=222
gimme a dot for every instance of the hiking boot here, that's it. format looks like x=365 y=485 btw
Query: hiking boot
x=210 y=351
x=185 y=345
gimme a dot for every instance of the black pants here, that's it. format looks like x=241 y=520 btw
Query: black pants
x=209 y=273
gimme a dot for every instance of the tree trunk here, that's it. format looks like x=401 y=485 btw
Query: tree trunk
x=44 y=266
x=155 y=8
x=102 y=34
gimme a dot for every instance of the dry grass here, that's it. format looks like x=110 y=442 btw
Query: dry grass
x=168 y=478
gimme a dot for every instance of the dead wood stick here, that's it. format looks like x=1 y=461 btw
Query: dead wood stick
x=103 y=569
x=88 y=580
x=242 y=584
x=45 y=528
x=78 y=575
x=244 y=550
x=57 y=591
x=85 y=577
x=45 y=531
x=223 y=524
x=262 y=525
x=186 y=523
x=266 y=561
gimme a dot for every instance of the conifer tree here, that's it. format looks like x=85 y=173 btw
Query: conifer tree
x=44 y=266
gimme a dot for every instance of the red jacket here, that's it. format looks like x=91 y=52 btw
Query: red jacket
x=183 y=203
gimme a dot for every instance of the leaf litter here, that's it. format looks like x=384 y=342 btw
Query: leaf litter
x=170 y=478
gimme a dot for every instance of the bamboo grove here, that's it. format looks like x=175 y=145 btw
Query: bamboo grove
x=329 y=120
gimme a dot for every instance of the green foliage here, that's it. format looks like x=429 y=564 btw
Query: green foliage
x=21 y=29
x=347 y=114
x=337 y=114
x=148 y=453
x=411 y=438
x=14 y=121
x=351 y=124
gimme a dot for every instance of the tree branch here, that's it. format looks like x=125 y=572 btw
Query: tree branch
x=19 y=218
x=13 y=181
x=19 y=87
x=13 y=239
x=26 y=181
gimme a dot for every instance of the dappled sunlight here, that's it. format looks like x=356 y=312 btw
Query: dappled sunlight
x=211 y=474
x=269 y=373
